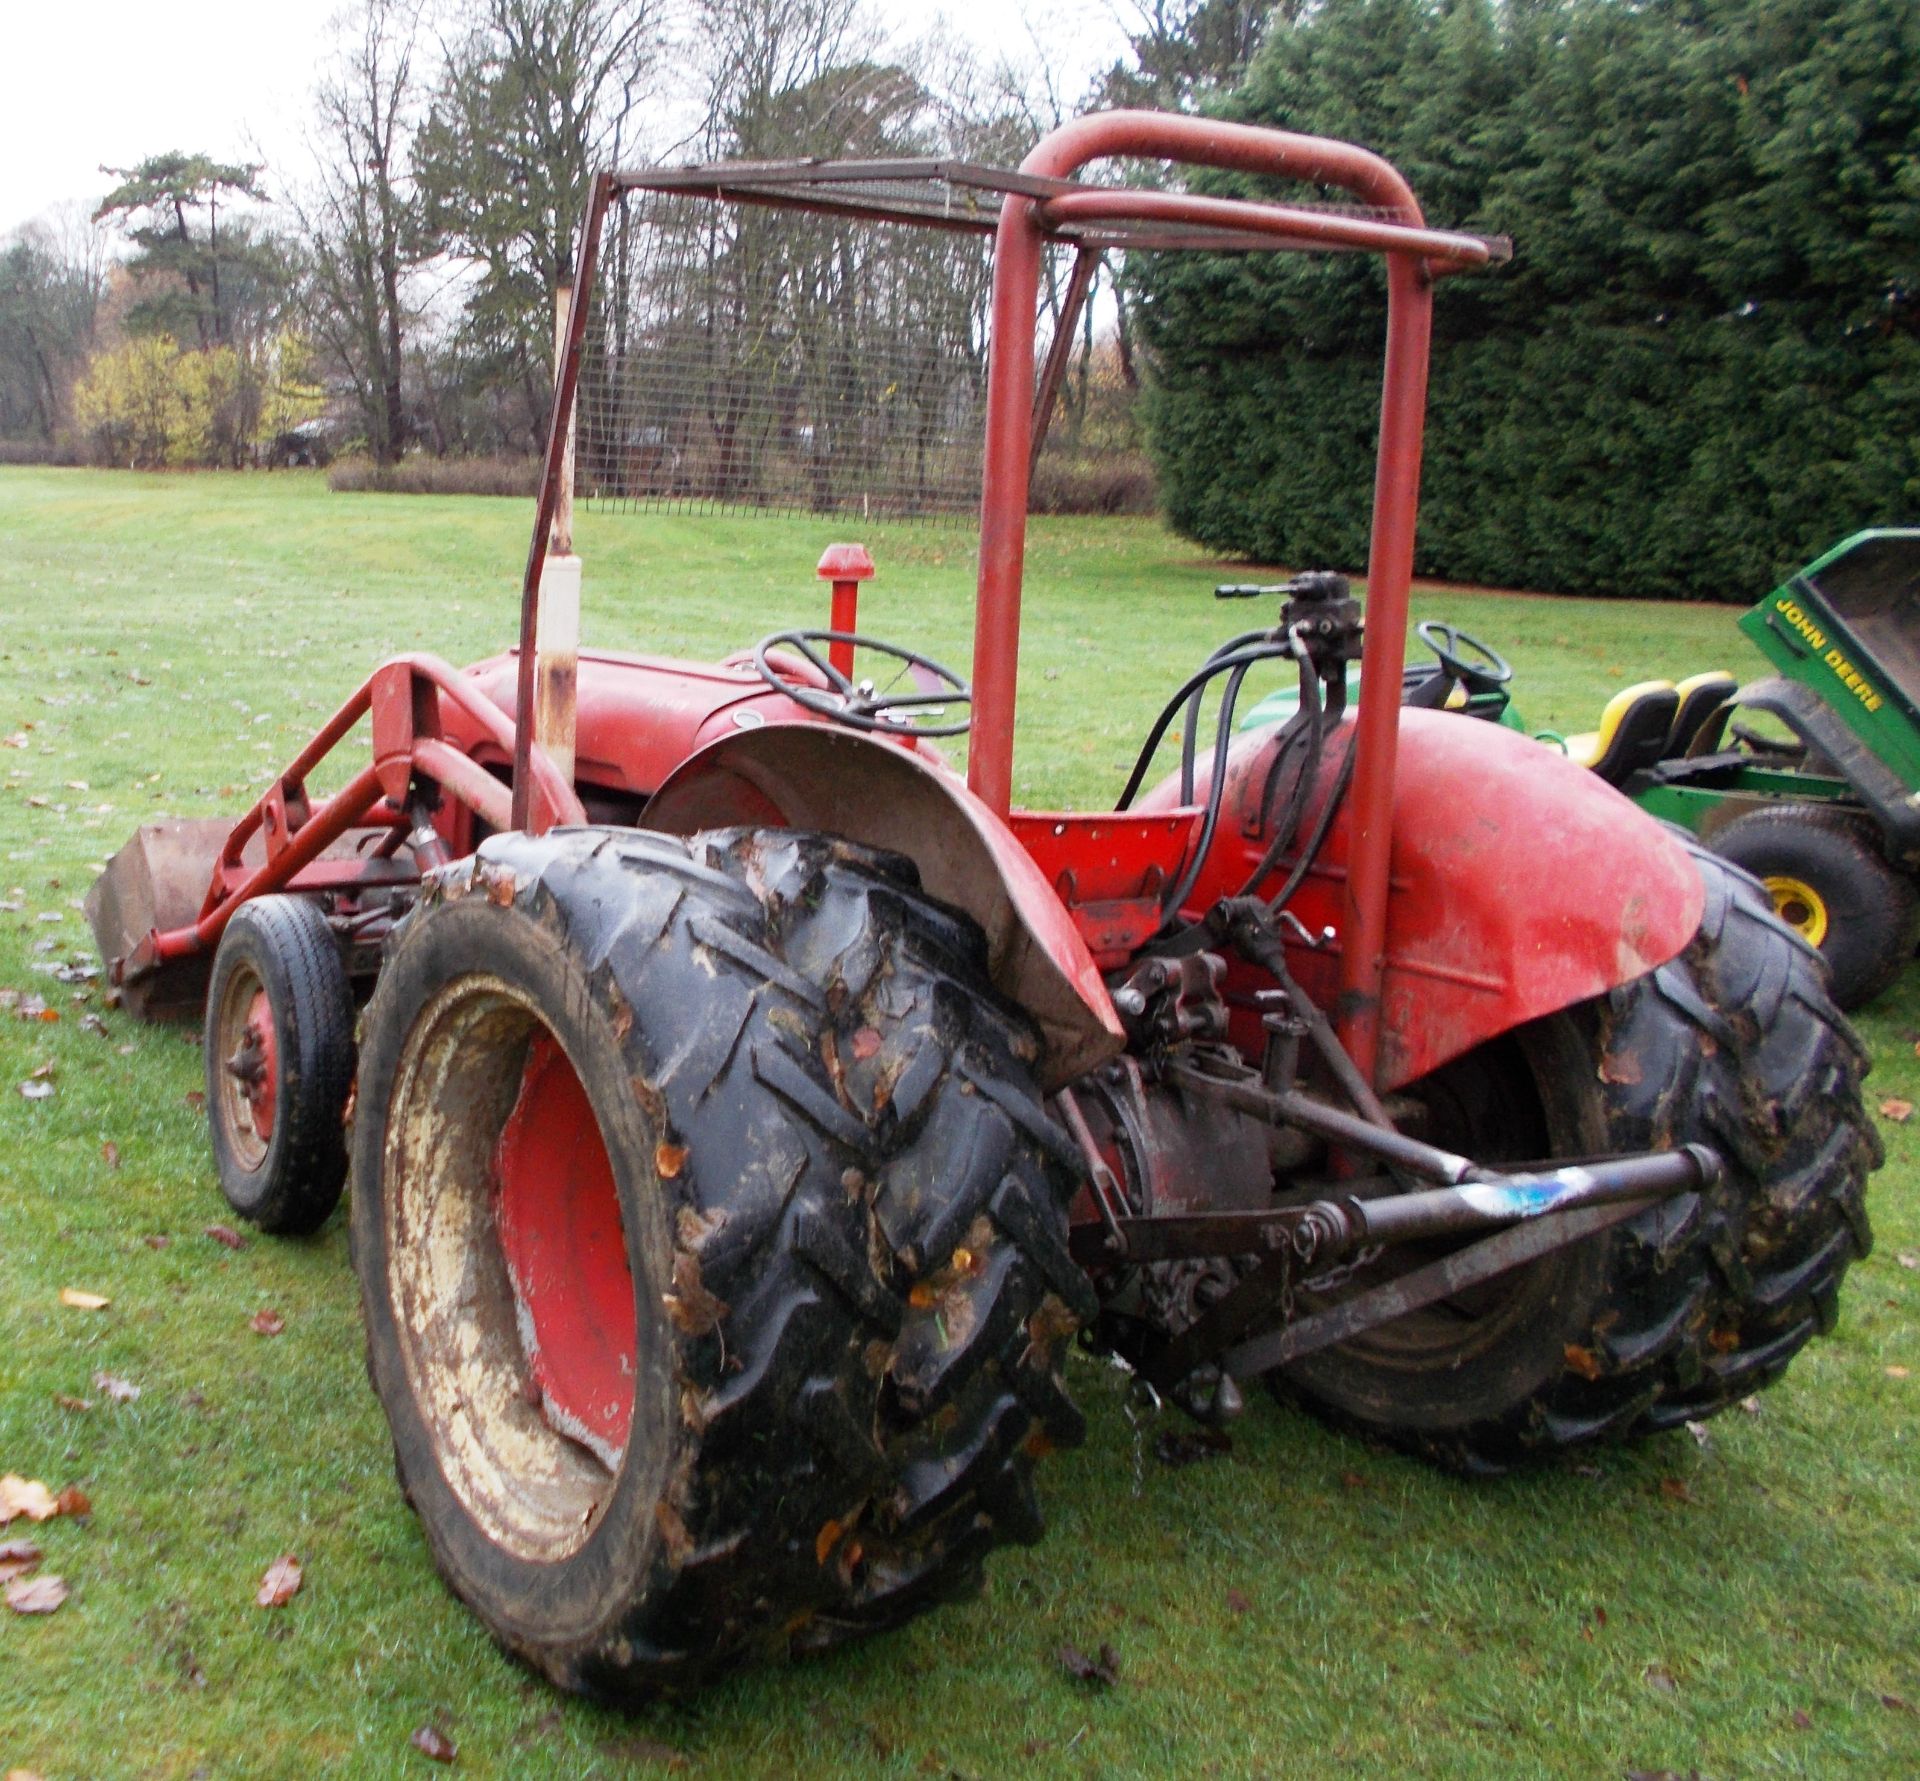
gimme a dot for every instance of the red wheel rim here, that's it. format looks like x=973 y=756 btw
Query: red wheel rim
x=558 y=1215
x=249 y=1075
x=263 y=1090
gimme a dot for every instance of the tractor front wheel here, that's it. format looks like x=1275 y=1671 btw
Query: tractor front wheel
x=1674 y=1314
x=1833 y=886
x=278 y=1050
x=711 y=1238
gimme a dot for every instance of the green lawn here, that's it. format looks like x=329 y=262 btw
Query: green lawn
x=1302 y=1606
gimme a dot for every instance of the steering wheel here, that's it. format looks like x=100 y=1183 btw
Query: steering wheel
x=1477 y=668
x=862 y=705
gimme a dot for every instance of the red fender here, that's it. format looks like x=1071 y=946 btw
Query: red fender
x=811 y=776
x=1520 y=884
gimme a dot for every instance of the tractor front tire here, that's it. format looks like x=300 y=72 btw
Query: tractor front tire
x=711 y=1237
x=1830 y=882
x=1674 y=1314
x=278 y=1053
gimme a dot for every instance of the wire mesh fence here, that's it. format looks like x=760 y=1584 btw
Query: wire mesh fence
x=744 y=357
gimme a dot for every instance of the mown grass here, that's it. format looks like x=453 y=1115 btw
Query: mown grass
x=1305 y=1605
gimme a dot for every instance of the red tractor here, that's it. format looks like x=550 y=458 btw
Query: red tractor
x=741 y=1126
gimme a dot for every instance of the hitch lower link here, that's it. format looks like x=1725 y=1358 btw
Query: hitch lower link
x=1327 y=1231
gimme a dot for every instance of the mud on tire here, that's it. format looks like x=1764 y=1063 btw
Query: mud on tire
x=1694 y=1304
x=842 y=1209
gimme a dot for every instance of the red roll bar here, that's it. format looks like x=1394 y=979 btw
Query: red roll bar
x=1411 y=250
x=1043 y=202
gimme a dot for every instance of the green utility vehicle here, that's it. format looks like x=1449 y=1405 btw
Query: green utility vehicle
x=1807 y=778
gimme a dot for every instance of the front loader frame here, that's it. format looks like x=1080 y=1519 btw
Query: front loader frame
x=285 y=840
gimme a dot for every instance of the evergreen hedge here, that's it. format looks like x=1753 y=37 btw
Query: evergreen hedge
x=1702 y=366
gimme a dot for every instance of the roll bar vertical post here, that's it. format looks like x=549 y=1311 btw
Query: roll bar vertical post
x=1019 y=244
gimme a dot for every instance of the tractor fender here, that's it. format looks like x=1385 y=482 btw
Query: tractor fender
x=1520 y=884
x=838 y=782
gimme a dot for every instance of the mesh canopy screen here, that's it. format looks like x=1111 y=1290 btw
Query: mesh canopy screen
x=739 y=356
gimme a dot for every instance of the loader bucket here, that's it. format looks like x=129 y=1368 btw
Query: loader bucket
x=158 y=880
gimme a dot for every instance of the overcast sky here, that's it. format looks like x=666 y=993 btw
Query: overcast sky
x=115 y=80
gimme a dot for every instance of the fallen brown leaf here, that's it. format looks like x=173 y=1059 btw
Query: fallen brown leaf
x=17 y=1557
x=83 y=1301
x=1675 y=1490
x=281 y=1582
x=1238 y=1603
x=266 y=1323
x=25 y=1496
x=1102 y=1671
x=669 y=1160
x=196 y=1098
x=1897 y=1110
x=36 y=1595
x=226 y=1235
x=72 y=1500
x=434 y=1745
x=1894 y=1704
x=158 y=1240
x=110 y=1154
x=1802 y=1720
x=691 y=1306
x=1353 y=1481
x=1896 y=1372
x=1582 y=1361
x=67 y=1401
x=122 y=1391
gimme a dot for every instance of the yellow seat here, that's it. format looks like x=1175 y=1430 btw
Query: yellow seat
x=1705 y=701
x=1633 y=731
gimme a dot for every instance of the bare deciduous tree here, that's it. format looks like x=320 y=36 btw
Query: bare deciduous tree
x=359 y=219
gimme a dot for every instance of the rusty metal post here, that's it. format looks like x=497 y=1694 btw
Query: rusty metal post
x=562 y=545
x=557 y=632
x=1403 y=407
x=566 y=382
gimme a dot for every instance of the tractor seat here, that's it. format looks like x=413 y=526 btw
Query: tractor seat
x=1633 y=731
x=1705 y=700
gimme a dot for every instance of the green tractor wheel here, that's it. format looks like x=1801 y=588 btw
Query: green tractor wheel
x=1833 y=886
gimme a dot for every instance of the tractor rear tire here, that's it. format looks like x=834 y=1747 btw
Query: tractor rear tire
x=278 y=1053
x=711 y=1235
x=1830 y=882
x=1695 y=1303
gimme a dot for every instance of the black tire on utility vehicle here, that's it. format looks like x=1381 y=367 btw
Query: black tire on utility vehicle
x=1674 y=1314
x=278 y=1053
x=841 y=1212
x=1832 y=885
